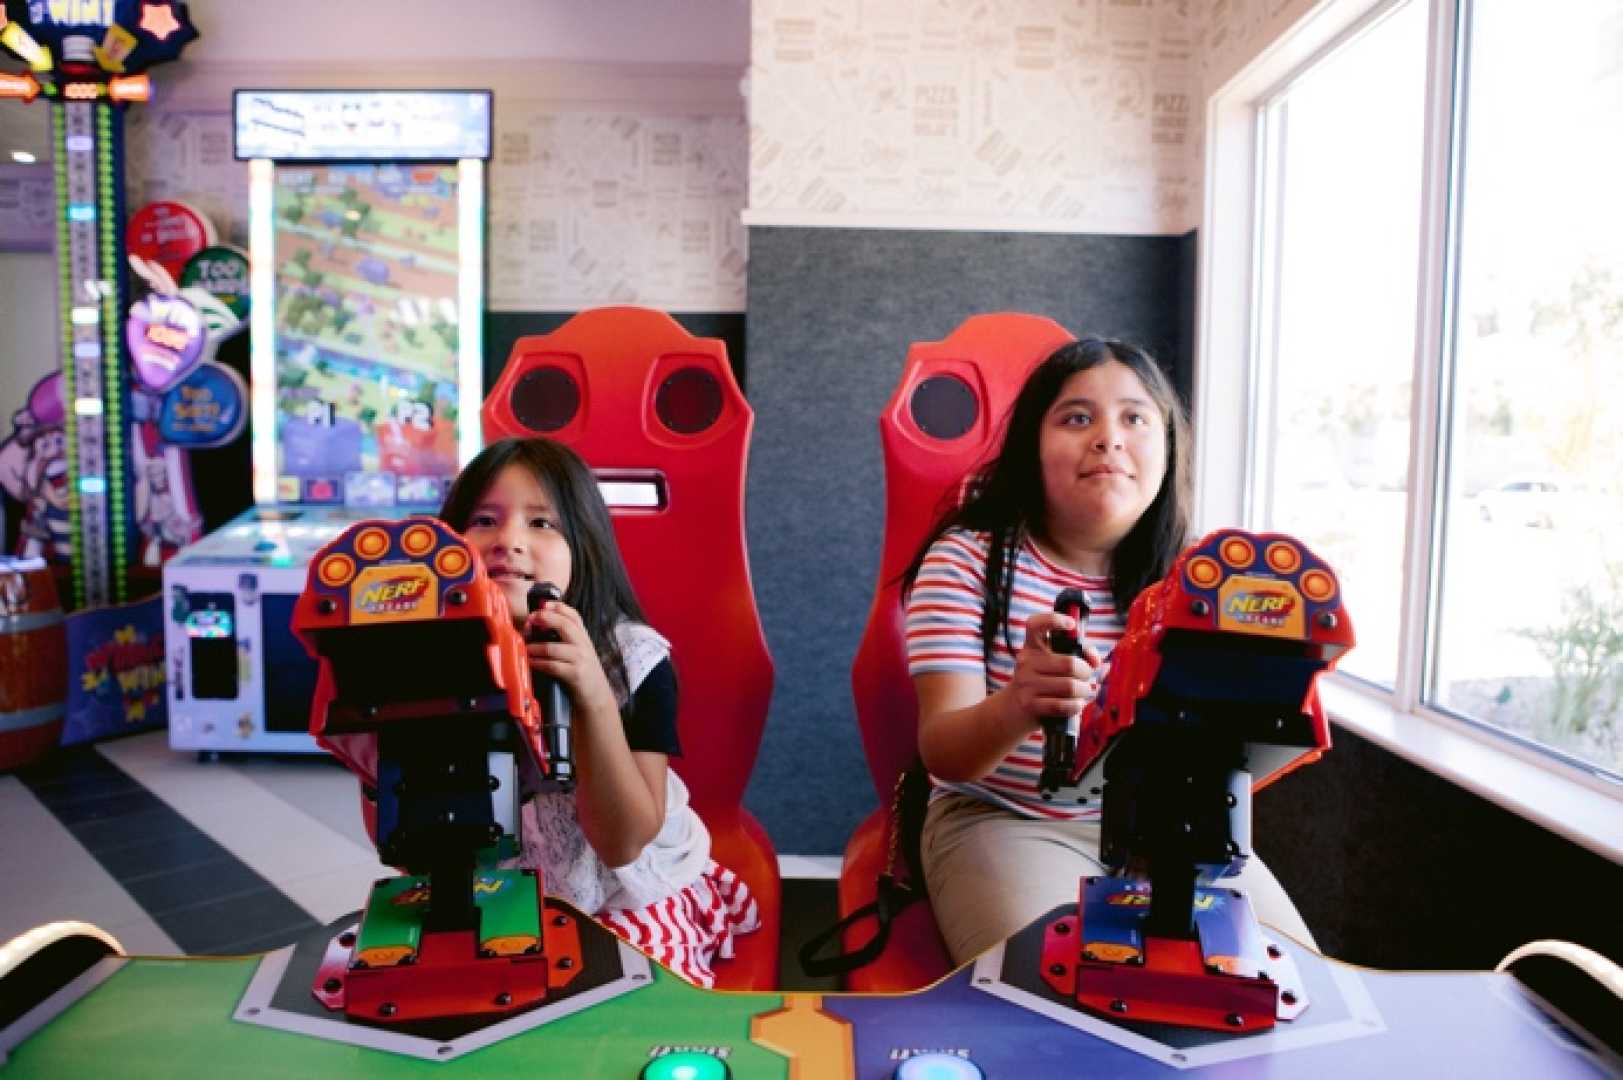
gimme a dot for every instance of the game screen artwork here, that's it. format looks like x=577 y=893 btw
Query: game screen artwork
x=366 y=333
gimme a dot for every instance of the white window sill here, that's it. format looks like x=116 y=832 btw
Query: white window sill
x=1581 y=806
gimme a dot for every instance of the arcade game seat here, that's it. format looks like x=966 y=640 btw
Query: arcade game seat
x=942 y=421
x=658 y=415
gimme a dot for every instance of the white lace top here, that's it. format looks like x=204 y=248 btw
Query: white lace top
x=554 y=843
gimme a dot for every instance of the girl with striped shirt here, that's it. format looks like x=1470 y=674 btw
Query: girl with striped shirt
x=624 y=846
x=1089 y=490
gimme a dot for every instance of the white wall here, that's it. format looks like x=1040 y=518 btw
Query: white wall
x=1066 y=117
x=621 y=152
x=610 y=183
x=30 y=344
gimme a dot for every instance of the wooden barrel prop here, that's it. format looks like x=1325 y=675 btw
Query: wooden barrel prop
x=33 y=662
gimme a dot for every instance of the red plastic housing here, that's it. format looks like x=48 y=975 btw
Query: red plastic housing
x=411 y=571
x=1230 y=581
x=659 y=417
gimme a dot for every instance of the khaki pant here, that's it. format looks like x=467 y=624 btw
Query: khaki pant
x=991 y=874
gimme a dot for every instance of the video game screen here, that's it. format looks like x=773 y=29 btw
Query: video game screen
x=366 y=333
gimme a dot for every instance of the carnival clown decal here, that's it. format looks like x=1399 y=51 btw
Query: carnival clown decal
x=34 y=471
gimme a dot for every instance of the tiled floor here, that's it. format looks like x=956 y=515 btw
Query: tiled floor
x=173 y=855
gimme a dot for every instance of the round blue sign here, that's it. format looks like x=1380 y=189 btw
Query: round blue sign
x=206 y=408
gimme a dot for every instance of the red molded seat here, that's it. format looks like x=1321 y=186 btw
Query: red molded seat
x=657 y=413
x=944 y=419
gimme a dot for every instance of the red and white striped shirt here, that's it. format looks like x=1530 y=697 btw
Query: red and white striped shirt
x=944 y=635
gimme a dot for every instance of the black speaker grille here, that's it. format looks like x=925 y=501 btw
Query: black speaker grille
x=689 y=401
x=545 y=399
x=943 y=406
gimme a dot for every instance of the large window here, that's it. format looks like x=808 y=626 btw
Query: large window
x=1530 y=614
x=1434 y=351
x=1341 y=210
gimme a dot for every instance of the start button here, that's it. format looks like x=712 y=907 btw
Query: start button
x=687 y=1065
x=938 y=1067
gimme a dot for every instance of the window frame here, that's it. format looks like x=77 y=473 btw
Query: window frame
x=1233 y=408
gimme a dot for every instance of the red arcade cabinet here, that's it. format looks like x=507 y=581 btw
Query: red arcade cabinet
x=659 y=417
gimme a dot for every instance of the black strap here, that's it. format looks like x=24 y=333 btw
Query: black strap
x=890 y=899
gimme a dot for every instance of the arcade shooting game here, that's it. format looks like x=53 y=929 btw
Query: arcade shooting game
x=366 y=223
x=440 y=734
x=468 y=966
x=1212 y=683
x=88 y=58
x=1210 y=694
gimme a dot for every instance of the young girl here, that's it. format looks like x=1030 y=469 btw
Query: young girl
x=624 y=846
x=1090 y=490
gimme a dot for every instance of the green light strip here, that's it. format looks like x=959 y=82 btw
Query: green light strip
x=112 y=306
x=70 y=394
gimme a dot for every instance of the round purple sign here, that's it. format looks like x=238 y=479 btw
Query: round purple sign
x=165 y=335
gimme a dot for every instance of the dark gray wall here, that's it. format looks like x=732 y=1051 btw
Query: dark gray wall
x=831 y=314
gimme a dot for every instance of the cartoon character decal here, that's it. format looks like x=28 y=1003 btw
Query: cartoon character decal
x=34 y=471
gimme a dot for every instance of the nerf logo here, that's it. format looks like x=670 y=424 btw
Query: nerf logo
x=392 y=596
x=1262 y=606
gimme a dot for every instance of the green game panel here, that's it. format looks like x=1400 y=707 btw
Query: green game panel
x=166 y=1018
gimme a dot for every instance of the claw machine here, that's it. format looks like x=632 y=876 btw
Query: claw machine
x=366 y=227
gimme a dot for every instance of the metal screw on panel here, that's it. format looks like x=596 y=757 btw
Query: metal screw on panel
x=333 y=985
x=504 y=999
x=387 y=1009
x=1200 y=608
x=326 y=606
x=1328 y=620
x=1288 y=997
x=456 y=598
x=1118 y=1006
x=565 y=963
x=1234 y=1020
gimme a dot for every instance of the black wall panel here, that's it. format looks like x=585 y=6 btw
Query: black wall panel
x=502 y=328
x=1394 y=867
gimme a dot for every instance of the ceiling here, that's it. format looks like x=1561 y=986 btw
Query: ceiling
x=405 y=34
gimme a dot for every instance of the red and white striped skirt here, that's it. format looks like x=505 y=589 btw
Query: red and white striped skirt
x=687 y=930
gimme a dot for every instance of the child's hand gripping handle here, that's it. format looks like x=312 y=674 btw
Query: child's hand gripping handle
x=555 y=719
x=1060 y=733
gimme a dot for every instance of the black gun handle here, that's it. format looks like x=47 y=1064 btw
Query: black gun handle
x=555 y=719
x=1060 y=732
x=1072 y=602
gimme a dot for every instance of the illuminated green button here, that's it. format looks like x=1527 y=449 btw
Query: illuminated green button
x=687 y=1065
x=938 y=1067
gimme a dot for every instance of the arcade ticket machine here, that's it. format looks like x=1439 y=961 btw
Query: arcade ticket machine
x=366 y=217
